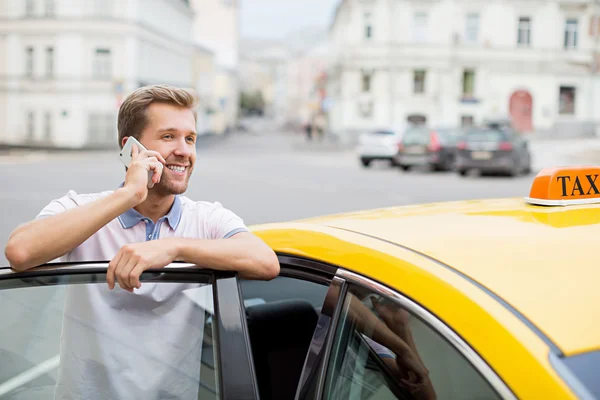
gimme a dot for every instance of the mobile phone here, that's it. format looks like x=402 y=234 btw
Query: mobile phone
x=125 y=156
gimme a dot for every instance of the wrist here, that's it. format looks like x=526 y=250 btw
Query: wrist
x=176 y=248
x=129 y=196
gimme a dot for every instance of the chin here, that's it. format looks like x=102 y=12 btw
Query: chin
x=168 y=188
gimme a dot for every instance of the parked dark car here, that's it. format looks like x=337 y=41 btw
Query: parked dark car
x=493 y=150
x=433 y=148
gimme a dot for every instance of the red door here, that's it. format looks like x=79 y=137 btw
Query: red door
x=521 y=106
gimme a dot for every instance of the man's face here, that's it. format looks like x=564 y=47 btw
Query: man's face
x=171 y=131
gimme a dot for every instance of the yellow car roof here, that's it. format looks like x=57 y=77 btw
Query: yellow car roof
x=540 y=260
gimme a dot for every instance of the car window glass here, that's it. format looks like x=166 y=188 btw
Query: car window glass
x=486 y=136
x=283 y=288
x=282 y=316
x=416 y=136
x=382 y=351
x=84 y=341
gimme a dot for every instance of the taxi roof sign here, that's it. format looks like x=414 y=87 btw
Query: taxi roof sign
x=563 y=186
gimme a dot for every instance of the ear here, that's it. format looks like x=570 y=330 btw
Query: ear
x=124 y=140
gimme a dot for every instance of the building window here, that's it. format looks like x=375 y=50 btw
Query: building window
x=48 y=125
x=30 y=8
x=467 y=121
x=567 y=100
x=50 y=8
x=30 y=125
x=571 y=34
x=472 y=28
x=368 y=26
x=102 y=64
x=524 y=33
x=49 y=61
x=102 y=128
x=366 y=82
x=29 y=62
x=468 y=83
x=420 y=29
x=419 y=81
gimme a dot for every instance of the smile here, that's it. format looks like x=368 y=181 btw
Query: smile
x=177 y=168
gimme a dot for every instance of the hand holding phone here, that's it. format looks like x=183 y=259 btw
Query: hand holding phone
x=126 y=156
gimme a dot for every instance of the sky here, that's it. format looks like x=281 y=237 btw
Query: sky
x=274 y=19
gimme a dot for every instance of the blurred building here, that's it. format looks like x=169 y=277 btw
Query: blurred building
x=307 y=76
x=288 y=73
x=66 y=65
x=216 y=28
x=454 y=62
x=264 y=69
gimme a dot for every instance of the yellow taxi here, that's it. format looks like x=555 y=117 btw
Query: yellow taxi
x=482 y=299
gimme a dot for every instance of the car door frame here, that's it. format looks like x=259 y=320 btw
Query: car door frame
x=314 y=374
x=235 y=370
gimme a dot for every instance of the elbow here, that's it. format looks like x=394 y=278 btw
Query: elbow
x=269 y=266
x=17 y=256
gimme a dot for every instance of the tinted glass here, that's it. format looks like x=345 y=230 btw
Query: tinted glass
x=448 y=136
x=488 y=135
x=84 y=341
x=283 y=288
x=416 y=136
x=382 y=351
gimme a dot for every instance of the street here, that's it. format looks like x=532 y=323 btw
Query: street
x=265 y=177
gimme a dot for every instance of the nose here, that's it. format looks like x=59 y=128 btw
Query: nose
x=184 y=148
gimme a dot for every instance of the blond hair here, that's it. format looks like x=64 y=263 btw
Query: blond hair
x=133 y=119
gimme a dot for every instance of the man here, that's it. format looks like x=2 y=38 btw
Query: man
x=138 y=229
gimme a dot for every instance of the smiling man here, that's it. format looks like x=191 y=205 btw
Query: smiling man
x=137 y=228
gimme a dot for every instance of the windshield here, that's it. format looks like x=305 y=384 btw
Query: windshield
x=487 y=135
x=416 y=136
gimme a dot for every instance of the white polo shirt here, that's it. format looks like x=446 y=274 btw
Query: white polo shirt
x=141 y=345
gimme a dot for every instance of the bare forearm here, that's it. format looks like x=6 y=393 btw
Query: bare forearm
x=44 y=240
x=249 y=256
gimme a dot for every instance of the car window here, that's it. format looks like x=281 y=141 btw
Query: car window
x=282 y=316
x=416 y=136
x=283 y=288
x=486 y=136
x=382 y=351
x=80 y=340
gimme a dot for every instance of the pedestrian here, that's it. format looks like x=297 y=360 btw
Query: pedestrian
x=137 y=229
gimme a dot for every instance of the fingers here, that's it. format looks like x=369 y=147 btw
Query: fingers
x=125 y=261
x=110 y=273
x=157 y=167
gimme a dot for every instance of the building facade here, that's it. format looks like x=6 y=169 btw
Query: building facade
x=216 y=28
x=66 y=65
x=460 y=62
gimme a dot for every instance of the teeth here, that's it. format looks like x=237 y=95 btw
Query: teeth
x=176 y=168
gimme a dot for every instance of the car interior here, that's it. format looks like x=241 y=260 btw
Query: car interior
x=282 y=316
x=280 y=335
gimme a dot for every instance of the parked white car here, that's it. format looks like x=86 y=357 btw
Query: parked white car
x=379 y=144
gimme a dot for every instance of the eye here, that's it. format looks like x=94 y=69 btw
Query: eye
x=168 y=136
x=191 y=139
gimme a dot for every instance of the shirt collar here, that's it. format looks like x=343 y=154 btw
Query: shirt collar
x=131 y=217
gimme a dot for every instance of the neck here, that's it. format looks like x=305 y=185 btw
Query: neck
x=155 y=207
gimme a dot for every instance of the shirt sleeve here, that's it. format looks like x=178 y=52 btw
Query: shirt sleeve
x=59 y=205
x=223 y=223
